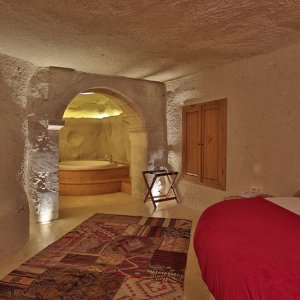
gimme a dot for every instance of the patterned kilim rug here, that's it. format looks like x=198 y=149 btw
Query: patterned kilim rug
x=107 y=257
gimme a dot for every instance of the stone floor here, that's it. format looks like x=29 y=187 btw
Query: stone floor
x=74 y=210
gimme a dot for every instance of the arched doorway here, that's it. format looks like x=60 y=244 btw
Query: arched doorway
x=44 y=161
x=94 y=145
x=143 y=103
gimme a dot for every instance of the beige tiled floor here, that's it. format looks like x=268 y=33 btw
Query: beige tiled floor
x=74 y=210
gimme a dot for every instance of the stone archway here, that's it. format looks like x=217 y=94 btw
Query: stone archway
x=52 y=90
x=137 y=136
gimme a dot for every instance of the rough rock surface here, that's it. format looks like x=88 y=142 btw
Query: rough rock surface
x=52 y=89
x=149 y=39
x=14 y=216
x=30 y=97
x=263 y=129
x=93 y=139
x=42 y=181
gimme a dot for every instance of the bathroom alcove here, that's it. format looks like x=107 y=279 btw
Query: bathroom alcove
x=51 y=91
x=137 y=144
x=34 y=123
x=94 y=146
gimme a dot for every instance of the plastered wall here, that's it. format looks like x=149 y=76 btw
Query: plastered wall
x=93 y=139
x=14 y=84
x=263 y=144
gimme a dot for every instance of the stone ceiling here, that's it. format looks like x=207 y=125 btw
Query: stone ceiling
x=92 y=106
x=151 y=39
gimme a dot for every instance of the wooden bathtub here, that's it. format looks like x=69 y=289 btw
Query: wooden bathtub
x=84 y=178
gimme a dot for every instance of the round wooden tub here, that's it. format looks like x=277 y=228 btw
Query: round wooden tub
x=86 y=177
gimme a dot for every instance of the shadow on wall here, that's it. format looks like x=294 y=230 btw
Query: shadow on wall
x=14 y=219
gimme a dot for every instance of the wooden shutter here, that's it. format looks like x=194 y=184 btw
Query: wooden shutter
x=214 y=143
x=204 y=143
x=191 y=142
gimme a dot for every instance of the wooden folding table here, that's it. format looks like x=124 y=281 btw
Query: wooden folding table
x=150 y=183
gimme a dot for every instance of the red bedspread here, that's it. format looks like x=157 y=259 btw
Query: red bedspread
x=249 y=249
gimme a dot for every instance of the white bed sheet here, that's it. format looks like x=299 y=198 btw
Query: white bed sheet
x=290 y=203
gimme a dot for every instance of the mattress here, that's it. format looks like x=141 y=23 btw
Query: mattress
x=290 y=203
x=249 y=248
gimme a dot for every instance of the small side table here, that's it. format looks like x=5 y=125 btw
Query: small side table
x=150 y=182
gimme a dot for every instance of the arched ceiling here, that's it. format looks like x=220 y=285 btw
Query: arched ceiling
x=92 y=105
x=151 y=39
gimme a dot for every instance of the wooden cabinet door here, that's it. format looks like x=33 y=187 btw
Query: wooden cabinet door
x=204 y=143
x=214 y=143
x=191 y=142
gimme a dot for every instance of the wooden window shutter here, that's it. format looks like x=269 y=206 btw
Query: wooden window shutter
x=191 y=142
x=204 y=143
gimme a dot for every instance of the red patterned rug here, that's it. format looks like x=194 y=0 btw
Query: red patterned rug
x=107 y=257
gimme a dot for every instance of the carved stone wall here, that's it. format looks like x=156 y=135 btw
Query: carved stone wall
x=263 y=124
x=29 y=98
x=52 y=89
x=93 y=139
x=14 y=215
x=43 y=171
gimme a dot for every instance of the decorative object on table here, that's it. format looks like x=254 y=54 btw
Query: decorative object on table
x=107 y=257
x=158 y=192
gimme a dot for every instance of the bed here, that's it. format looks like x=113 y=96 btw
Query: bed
x=249 y=248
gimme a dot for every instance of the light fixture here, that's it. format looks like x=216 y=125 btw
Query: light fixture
x=55 y=124
x=87 y=93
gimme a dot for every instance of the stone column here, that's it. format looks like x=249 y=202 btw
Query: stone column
x=138 y=161
x=43 y=170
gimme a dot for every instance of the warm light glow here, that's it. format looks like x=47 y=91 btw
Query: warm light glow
x=90 y=105
x=45 y=217
x=87 y=93
x=106 y=115
x=157 y=188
